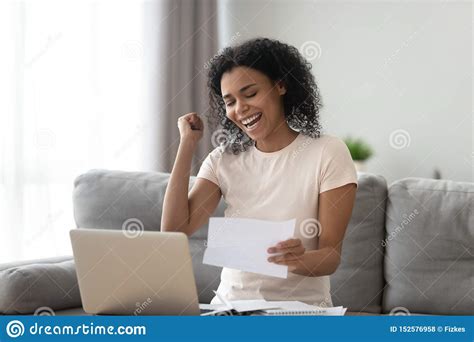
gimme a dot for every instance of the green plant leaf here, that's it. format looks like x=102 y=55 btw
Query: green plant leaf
x=358 y=148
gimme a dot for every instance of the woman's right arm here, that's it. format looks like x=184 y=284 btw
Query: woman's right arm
x=185 y=212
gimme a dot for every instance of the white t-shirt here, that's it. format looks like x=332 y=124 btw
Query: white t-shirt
x=279 y=186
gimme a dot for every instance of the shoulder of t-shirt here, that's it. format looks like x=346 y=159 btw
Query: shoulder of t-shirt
x=325 y=141
x=216 y=151
x=326 y=146
x=331 y=140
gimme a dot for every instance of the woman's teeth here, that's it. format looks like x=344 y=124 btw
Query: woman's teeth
x=252 y=121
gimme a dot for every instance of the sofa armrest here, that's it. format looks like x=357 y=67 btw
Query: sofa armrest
x=42 y=284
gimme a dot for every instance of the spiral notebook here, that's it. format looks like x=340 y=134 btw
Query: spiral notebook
x=333 y=311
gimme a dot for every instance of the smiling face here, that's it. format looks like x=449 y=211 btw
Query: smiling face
x=253 y=102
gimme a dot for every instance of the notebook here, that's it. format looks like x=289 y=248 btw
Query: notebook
x=333 y=311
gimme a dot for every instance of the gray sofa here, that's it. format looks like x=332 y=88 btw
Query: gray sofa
x=409 y=248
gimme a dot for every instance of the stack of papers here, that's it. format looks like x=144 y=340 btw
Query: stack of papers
x=242 y=244
x=273 y=308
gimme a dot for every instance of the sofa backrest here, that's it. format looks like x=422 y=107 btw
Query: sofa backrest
x=429 y=258
x=358 y=282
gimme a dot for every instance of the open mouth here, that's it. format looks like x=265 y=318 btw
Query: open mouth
x=252 y=121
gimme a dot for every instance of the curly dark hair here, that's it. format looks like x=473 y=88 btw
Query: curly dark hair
x=279 y=62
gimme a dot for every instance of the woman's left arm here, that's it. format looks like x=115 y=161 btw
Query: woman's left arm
x=335 y=209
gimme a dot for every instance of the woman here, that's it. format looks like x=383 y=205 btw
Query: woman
x=274 y=165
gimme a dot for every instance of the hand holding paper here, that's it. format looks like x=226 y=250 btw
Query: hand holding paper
x=290 y=251
x=243 y=244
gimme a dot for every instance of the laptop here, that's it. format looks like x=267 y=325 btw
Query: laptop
x=149 y=273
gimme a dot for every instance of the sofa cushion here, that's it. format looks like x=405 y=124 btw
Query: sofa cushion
x=430 y=247
x=358 y=282
x=43 y=284
x=107 y=199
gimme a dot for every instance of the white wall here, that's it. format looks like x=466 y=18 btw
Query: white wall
x=383 y=66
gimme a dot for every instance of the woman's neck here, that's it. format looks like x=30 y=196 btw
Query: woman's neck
x=281 y=137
